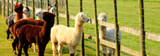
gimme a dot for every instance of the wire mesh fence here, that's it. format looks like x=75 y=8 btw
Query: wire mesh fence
x=128 y=15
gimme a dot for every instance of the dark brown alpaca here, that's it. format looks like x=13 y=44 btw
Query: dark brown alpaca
x=28 y=33
x=20 y=23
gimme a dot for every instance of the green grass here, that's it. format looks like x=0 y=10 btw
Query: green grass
x=128 y=12
x=128 y=40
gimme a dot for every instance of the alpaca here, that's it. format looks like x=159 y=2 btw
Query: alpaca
x=26 y=12
x=39 y=12
x=28 y=32
x=63 y=35
x=107 y=34
x=12 y=19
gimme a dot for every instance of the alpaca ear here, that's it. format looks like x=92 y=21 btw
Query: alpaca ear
x=28 y=9
x=55 y=5
x=81 y=15
x=49 y=7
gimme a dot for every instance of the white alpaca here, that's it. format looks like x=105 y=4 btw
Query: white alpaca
x=26 y=12
x=39 y=12
x=107 y=34
x=63 y=35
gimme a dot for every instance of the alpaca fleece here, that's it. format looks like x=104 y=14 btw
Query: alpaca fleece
x=28 y=32
x=63 y=35
x=107 y=34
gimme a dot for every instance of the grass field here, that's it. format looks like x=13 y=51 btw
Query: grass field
x=128 y=40
x=128 y=12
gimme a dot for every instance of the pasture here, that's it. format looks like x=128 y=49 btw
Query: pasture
x=128 y=15
x=90 y=46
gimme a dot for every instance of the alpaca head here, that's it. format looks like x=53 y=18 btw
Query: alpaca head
x=81 y=18
x=102 y=17
x=26 y=11
x=52 y=9
x=49 y=18
x=18 y=8
x=39 y=13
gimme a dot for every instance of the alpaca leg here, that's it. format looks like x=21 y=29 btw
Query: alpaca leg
x=113 y=51
x=104 y=51
x=71 y=50
x=20 y=48
x=41 y=49
x=14 y=44
x=12 y=36
x=54 y=47
x=26 y=49
x=34 y=47
x=8 y=34
x=60 y=47
x=110 y=51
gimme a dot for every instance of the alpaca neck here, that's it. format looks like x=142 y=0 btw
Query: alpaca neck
x=19 y=16
x=46 y=29
x=25 y=16
x=102 y=32
x=79 y=29
x=39 y=17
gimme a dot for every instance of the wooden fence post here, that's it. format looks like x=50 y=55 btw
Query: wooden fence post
x=33 y=11
x=57 y=14
x=48 y=5
x=82 y=41
x=41 y=4
x=96 y=30
x=11 y=6
x=26 y=2
x=16 y=1
x=142 y=30
x=21 y=1
x=7 y=8
x=3 y=9
x=117 y=41
x=67 y=13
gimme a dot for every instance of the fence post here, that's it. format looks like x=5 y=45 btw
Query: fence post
x=16 y=1
x=26 y=2
x=3 y=9
x=96 y=30
x=67 y=13
x=33 y=11
x=142 y=30
x=7 y=8
x=11 y=6
x=117 y=41
x=41 y=4
x=21 y=1
x=48 y=4
x=82 y=41
x=57 y=14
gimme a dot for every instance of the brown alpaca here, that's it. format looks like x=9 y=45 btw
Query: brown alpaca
x=21 y=23
x=28 y=33
x=19 y=11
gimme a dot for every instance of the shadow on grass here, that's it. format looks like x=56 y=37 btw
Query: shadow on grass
x=90 y=41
